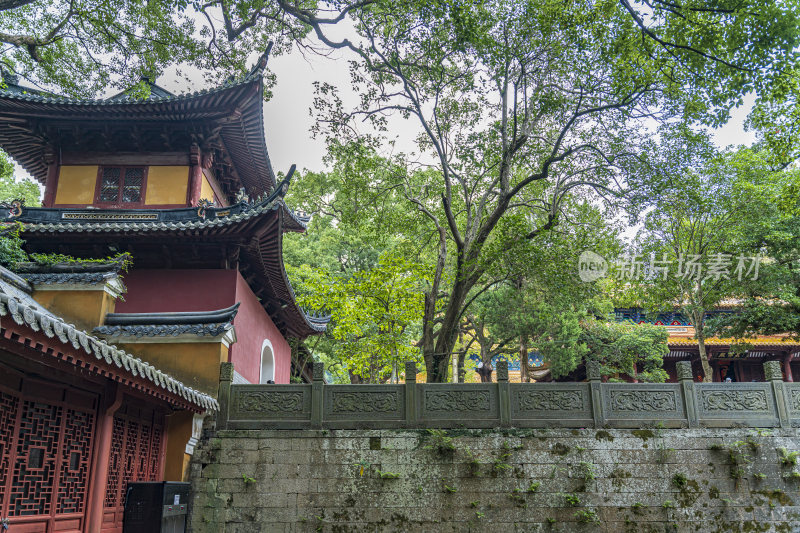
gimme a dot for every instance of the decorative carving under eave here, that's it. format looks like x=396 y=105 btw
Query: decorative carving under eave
x=194 y=155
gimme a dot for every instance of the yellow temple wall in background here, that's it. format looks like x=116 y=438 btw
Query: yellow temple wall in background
x=76 y=184
x=166 y=185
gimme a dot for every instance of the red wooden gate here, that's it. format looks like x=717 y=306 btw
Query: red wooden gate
x=46 y=437
x=136 y=451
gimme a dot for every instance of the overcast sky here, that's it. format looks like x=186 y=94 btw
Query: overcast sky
x=288 y=121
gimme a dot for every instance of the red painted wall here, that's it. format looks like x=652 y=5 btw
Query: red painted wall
x=170 y=291
x=208 y=290
x=253 y=325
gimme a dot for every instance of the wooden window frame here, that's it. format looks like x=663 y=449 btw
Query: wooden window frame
x=119 y=203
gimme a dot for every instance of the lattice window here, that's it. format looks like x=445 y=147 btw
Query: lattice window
x=8 y=415
x=121 y=185
x=75 y=462
x=135 y=456
x=155 y=453
x=115 y=464
x=35 y=466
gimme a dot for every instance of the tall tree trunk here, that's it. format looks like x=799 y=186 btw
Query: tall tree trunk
x=708 y=373
x=462 y=372
x=523 y=360
x=448 y=332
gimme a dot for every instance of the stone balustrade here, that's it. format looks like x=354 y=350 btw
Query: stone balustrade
x=523 y=405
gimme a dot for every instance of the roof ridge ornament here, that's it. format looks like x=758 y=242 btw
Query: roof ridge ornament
x=261 y=64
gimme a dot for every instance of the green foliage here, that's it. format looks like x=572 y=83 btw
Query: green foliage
x=11 y=251
x=588 y=471
x=85 y=47
x=387 y=475
x=356 y=263
x=694 y=221
x=587 y=516
x=12 y=189
x=624 y=348
x=534 y=486
x=572 y=499
x=668 y=504
x=450 y=490
x=788 y=458
x=679 y=480
x=440 y=442
x=247 y=479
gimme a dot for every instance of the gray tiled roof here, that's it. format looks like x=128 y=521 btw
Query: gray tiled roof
x=200 y=323
x=16 y=302
x=52 y=278
x=164 y=330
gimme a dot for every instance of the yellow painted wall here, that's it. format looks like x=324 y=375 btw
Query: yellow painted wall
x=205 y=189
x=166 y=185
x=179 y=431
x=85 y=309
x=194 y=364
x=76 y=184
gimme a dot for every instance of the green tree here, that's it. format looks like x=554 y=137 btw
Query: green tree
x=689 y=254
x=771 y=227
x=82 y=47
x=521 y=104
x=360 y=262
x=637 y=350
x=13 y=189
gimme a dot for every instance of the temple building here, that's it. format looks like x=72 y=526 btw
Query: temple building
x=107 y=369
x=729 y=358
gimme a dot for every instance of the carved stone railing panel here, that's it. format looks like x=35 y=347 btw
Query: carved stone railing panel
x=550 y=400
x=792 y=391
x=462 y=401
x=643 y=401
x=364 y=402
x=270 y=402
x=727 y=400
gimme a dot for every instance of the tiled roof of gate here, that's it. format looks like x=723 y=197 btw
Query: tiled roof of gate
x=16 y=302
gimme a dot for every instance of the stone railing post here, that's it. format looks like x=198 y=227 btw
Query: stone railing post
x=411 y=393
x=593 y=375
x=685 y=378
x=224 y=393
x=503 y=393
x=773 y=374
x=317 y=394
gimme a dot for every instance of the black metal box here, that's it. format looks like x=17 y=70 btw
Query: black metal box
x=159 y=506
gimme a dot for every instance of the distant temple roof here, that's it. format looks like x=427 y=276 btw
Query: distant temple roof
x=682 y=334
x=17 y=303
x=229 y=116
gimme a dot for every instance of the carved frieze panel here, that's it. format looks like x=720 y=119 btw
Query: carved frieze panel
x=459 y=401
x=364 y=402
x=793 y=397
x=734 y=400
x=249 y=402
x=530 y=400
x=640 y=400
x=653 y=401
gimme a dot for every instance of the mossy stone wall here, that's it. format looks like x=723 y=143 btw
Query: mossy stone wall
x=496 y=480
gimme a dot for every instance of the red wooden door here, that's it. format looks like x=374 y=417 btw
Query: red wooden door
x=46 y=436
x=136 y=450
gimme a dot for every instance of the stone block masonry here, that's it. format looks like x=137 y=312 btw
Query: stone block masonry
x=504 y=480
